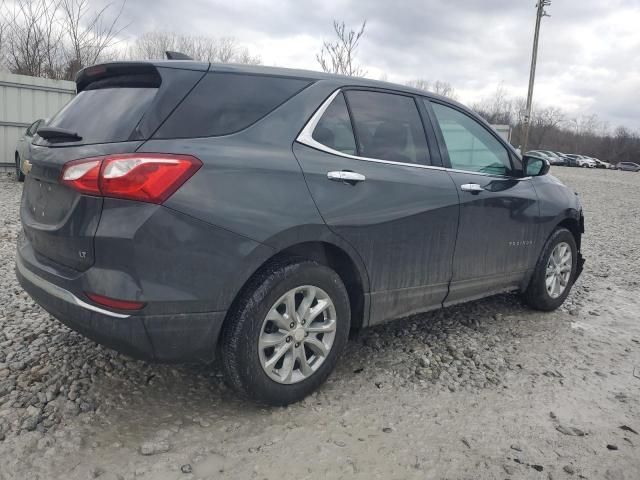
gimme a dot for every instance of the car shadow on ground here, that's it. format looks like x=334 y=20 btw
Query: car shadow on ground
x=421 y=348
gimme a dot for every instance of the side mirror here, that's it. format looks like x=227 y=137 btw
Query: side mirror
x=535 y=166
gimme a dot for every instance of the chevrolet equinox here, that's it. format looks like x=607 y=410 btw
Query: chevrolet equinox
x=176 y=211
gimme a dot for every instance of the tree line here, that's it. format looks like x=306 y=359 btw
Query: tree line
x=553 y=129
x=57 y=38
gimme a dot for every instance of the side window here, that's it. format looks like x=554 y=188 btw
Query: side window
x=388 y=127
x=471 y=147
x=224 y=103
x=334 y=128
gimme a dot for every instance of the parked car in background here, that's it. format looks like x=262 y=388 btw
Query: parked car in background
x=580 y=161
x=602 y=163
x=628 y=166
x=563 y=156
x=548 y=155
x=264 y=212
x=571 y=159
x=555 y=158
x=22 y=148
x=586 y=162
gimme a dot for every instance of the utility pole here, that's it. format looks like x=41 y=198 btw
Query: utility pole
x=532 y=73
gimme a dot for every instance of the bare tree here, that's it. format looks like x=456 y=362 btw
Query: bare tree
x=543 y=121
x=496 y=109
x=56 y=38
x=420 y=84
x=31 y=39
x=445 y=89
x=90 y=34
x=339 y=56
x=153 y=45
x=3 y=29
x=440 y=87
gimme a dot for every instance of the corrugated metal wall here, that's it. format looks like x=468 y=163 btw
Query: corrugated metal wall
x=23 y=100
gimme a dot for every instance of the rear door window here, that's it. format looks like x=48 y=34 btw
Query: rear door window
x=334 y=128
x=104 y=115
x=388 y=127
x=224 y=103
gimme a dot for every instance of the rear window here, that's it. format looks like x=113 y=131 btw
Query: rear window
x=388 y=127
x=103 y=115
x=224 y=103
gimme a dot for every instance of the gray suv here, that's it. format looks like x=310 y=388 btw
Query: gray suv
x=628 y=166
x=178 y=210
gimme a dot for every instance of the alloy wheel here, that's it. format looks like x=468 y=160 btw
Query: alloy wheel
x=558 y=270
x=297 y=334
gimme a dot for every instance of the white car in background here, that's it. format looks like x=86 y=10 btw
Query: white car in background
x=580 y=161
x=586 y=162
x=23 y=145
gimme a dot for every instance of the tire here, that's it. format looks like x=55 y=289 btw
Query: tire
x=247 y=323
x=537 y=295
x=19 y=174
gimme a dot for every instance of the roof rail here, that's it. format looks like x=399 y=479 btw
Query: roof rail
x=177 y=56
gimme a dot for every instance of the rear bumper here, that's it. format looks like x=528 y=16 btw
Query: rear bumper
x=163 y=338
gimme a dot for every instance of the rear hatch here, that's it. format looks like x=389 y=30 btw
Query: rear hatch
x=117 y=108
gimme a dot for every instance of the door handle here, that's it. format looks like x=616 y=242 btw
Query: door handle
x=471 y=187
x=346 y=176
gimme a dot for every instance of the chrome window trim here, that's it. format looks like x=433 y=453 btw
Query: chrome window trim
x=61 y=293
x=306 y=138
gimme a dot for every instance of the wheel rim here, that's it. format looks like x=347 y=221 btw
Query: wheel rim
x=558 y=271
x=297 y=334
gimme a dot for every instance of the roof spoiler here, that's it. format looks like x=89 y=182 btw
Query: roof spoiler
x=135 y=73
x=177 y=56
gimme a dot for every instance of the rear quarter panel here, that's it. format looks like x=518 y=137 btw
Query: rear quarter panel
x=250 y=181
x=251 y=184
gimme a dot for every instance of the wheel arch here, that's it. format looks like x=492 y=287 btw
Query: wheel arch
x=574 y=223
x=334 y=256
x=575 y=226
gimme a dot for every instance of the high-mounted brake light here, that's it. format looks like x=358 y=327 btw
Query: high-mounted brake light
x=146 y=177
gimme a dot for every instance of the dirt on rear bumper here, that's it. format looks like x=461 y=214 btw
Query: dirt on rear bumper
x=163 y=338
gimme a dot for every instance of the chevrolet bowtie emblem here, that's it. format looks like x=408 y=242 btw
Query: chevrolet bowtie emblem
x=26 y=166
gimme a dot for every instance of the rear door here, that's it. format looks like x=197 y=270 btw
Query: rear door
x=114 y=112
x=369 y=168
x=499 y=211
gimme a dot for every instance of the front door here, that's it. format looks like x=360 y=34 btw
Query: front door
x=374 y=186
x=499 y=208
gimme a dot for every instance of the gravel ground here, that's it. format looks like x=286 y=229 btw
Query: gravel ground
x=484 y=390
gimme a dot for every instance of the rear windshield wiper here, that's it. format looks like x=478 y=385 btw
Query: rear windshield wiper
x=53 y=133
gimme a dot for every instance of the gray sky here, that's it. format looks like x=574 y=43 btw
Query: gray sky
x=589 y=57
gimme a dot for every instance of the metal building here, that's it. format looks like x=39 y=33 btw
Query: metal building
x=23 y=100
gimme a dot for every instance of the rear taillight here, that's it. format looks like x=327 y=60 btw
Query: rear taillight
x=147 y=177
x=82 y=175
